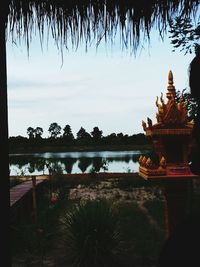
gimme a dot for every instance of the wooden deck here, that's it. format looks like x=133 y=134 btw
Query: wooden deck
x=20 y=190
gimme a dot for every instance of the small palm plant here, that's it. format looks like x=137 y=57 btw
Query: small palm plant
x=91 y=234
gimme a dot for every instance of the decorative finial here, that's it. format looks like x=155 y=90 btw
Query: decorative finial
x=170 y=78
x=171 y=89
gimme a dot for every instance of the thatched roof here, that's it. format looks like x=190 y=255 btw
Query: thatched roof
x=79 y=21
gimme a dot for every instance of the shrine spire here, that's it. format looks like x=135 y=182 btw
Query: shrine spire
x=171 y=88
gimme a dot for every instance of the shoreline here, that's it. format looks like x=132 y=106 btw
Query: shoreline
x=57 y=149
x=82 y=176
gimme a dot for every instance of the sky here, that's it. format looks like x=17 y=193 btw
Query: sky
x=108 y=87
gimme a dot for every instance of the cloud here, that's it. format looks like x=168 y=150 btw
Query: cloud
x=16 y=83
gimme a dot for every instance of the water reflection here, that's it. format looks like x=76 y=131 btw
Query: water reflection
x=75 y=162
x=84 y=163
x=68 y=164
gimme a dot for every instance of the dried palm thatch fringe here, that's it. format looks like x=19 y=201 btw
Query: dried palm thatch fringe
x=85 y=21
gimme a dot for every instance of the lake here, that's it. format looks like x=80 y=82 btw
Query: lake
x=75 y=162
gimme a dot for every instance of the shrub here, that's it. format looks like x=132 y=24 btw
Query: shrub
x=91 y=234
x=93 y=173
x=156 y=210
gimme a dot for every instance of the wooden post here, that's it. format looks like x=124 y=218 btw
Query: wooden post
x=50 y=184
x=5 y=253
x=34 y=199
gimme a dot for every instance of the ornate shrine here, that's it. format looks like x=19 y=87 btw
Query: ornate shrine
x=171 y=136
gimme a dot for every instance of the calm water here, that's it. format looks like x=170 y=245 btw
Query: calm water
x=75 y=162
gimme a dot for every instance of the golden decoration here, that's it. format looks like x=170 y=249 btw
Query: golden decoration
x=149 y=121
x=149 y=162
x=140 y=159
x=144 y=125
x=171 y=89
x=144 y=159
x=163 y=162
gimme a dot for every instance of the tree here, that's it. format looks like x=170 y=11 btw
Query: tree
x=192 y=103
x=40 y=164
x=34 y=133
x=31 y=132
x=120 y=138
x=98 y=163
x=81 y=133
x=184 y=34
x=38 y=132
x=111 y=139
x=67 y=134
x=96 y=134
x=54 y=130
x=83 y=137
x=67 y=131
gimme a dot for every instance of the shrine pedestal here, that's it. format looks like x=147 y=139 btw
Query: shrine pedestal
x=177 y=202
x=177 y=192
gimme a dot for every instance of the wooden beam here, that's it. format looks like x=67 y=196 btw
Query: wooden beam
x=5 y=254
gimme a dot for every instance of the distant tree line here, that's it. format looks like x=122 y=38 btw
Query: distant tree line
x=65 y=137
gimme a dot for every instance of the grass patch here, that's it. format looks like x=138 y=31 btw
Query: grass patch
x=142 y=240
x=135 y=181
x=156 y=210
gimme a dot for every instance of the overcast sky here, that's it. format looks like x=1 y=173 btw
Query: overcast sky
x=107 y=88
